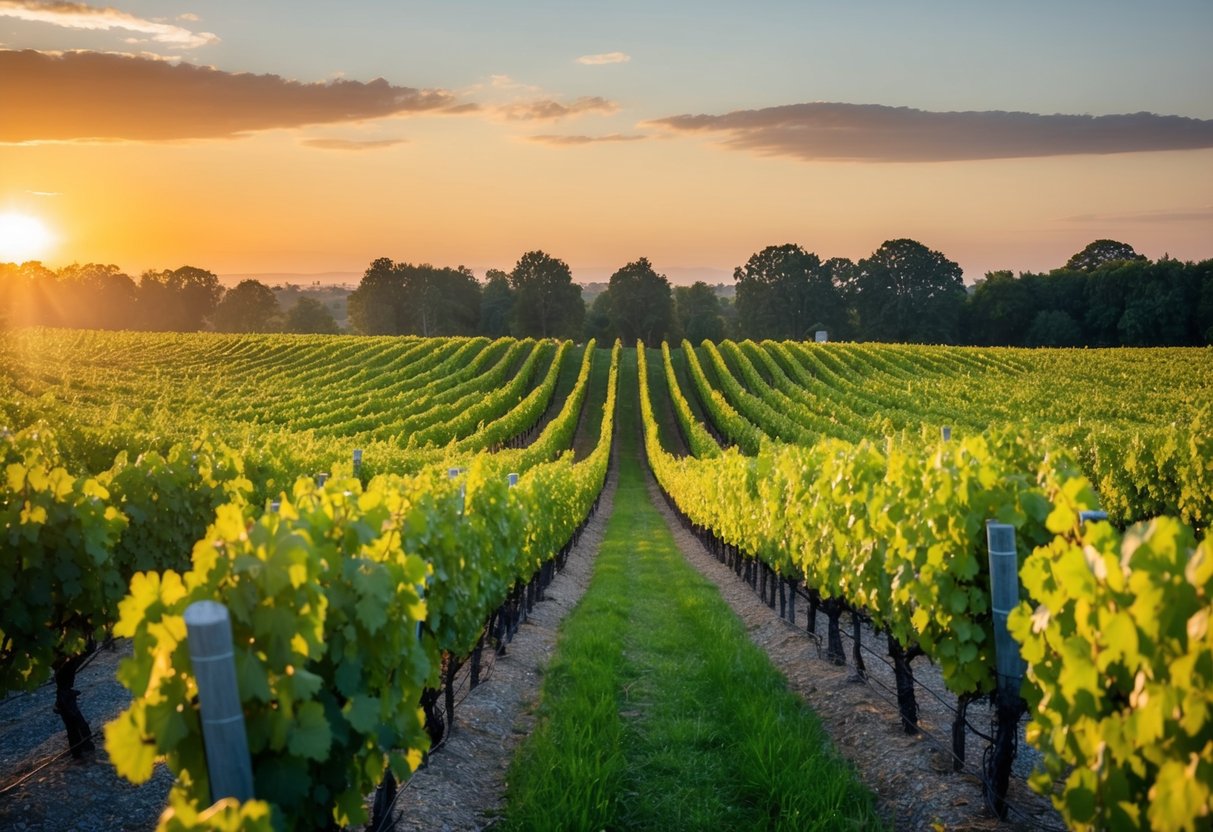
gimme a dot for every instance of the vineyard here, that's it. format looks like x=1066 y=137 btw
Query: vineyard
x=378 y=515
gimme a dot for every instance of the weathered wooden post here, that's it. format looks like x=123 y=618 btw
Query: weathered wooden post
x=1009 y=664
x=209 y=634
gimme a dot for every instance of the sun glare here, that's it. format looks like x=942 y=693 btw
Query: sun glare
x=23 y=237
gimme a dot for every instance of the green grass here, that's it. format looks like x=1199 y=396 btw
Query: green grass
x=658 y=712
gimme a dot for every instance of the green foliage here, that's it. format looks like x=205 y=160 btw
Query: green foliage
x=907 y=292
x=786 y=292
x=310 y=316
x=640 y=304
x=546 y=301
x=250 y=306
x=227 y=815
x=1120 y=669
x=326 y=596
x=59 y=581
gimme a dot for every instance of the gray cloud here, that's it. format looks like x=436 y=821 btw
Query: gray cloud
x=101 y=18
x=95 y=95
x=1167 y=215
x=352 y=144
x=871 y=132
x=549 y=109
x=570 y=141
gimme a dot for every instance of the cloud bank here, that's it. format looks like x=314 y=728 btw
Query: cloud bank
x=876 y=133
x=549 y=109
x=351 y=144
x=95 y=95
x=605 y=58
x=102 y=18
x=572 y=141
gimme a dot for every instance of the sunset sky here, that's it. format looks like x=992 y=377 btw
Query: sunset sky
x=307 y=137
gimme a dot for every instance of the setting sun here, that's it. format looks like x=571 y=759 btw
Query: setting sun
x=23 y=237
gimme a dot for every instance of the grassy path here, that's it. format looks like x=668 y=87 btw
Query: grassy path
x=657 y=710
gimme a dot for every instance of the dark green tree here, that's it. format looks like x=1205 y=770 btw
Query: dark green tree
x=905 y=292
x=785 y=292
x=1100 y=252
x=404 y=299
x=250 y=306
x=999 y=311
x=373 y=306
x=598 y=319
x=309 y=315
x=1053 y=328
x=698 y=313
x=640 y=302
x=547 y=303
x=496 y=304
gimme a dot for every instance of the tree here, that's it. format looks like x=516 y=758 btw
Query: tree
x=546 y=301
x=907 y=292
x=404 y=299
x=96 y=296
x=250 y=306
x=373 y=305
x=496 y=304
x=785 y=292
x=698 y=313
x=309 y=315
x=999 y=311
x=1053 y=328
x=1101 y=252
x=598 y=319
x=640 y=303
x=181 y=300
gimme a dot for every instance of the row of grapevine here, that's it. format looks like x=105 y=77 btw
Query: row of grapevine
x=1141 y=467
x=325 y=596
x=1115 y=629
x=303 y=409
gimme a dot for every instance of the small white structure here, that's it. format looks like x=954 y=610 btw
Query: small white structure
x=822 y=336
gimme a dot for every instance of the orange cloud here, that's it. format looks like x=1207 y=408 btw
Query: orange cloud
x=870 y=132
x=352 y=144
x=83 y=16
x=548 y=109
x=95 y=95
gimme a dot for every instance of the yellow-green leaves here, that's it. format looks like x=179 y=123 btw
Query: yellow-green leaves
x=1120 y=671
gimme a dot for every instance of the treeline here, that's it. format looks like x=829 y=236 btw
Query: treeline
x=1105 y=295
x=97 y=296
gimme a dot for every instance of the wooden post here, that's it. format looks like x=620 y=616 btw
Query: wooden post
x=209 y=635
